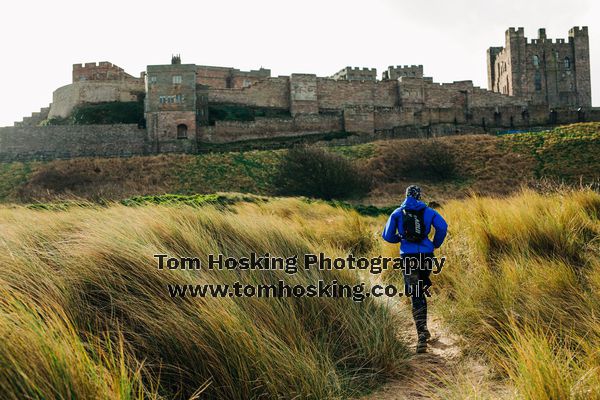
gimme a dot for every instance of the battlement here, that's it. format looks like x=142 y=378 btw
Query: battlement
x=355 y=74
x=399 y=71
x=102 y=71
x=577 y=31
x=516 y=32
x=262 y=72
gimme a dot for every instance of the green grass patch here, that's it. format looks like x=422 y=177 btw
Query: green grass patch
x=13 y=175
x=198 y=200
x=568 y=152
x=356 y=152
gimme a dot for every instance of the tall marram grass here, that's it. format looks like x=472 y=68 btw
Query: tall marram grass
x=85 y=312
x=522 y=285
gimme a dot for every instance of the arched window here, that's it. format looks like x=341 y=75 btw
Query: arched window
x=536 y=61
x=182 y=131
x=567 y=63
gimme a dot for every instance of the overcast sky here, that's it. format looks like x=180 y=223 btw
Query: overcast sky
x=40 y=40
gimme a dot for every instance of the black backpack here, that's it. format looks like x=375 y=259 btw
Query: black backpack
x=413 y=225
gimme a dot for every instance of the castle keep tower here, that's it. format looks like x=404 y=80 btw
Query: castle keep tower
x=171 y=107
x=543 y=71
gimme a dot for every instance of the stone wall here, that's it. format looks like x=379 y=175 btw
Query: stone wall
x=483 y=118
x=359 y=120
x=264 y=128
x=271 y=92
x=48 y=142
x=66 y=98
x=414 y=92
x=336 y=95
x=229 y=78
x=303 y=94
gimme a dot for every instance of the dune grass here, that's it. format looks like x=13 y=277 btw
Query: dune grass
x=522 y=287
x=85 y=313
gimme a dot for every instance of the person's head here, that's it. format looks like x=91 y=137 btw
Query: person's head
x=413 y=191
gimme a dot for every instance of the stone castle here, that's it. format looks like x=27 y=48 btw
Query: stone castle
x=533 y=82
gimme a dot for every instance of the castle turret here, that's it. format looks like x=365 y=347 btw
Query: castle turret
x=542 y=71
x=579 y=39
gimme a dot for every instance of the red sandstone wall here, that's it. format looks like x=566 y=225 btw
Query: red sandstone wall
x=334 y=94
x=231 y=131
x=359 y=120
x=220 y=77
x=103 y=71
x=272 y=92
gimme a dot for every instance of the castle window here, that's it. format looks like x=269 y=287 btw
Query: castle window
x=152 y=79
x=567 y=63
x=177 y=80
x=182 y=131
x=536 y=61
x=538 y=81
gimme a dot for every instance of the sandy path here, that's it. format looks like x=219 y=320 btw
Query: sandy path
x=429 y=375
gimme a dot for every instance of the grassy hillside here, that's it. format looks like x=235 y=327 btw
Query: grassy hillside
x=485 y=164
x=85 y=312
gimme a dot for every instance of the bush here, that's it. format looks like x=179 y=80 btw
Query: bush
x=429 y=159
x=60 y=180
x=109 y=113
x=313 y=172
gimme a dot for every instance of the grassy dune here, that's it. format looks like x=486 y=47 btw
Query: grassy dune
x=85 y=312
x=524 y=289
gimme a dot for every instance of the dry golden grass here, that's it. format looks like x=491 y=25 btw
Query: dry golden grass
x=86 y=312
x=483 y=166
x=522 y=287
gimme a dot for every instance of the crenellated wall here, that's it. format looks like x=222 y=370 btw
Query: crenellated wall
x=102 y=71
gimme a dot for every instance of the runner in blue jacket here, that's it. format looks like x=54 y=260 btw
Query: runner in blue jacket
x=394 y=233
